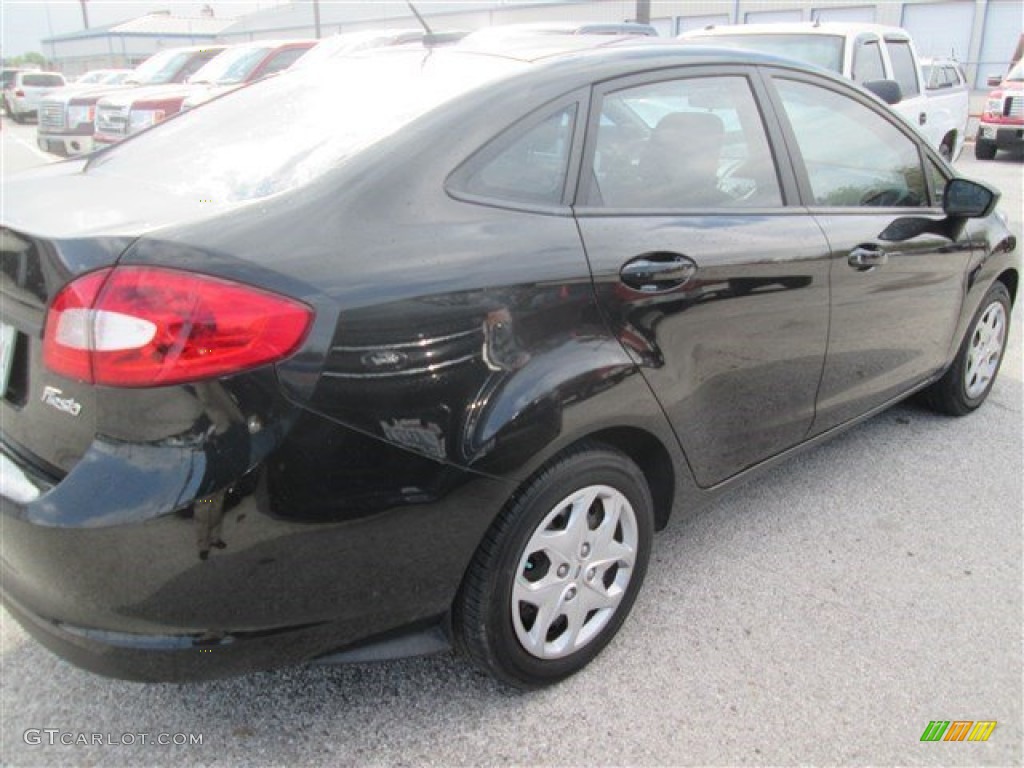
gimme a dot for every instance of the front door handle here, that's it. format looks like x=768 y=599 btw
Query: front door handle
x=653 y=272
x=922 y=118
x=866 y=257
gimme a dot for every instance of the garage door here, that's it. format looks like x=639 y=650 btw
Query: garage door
x=1002 y=31
x=772 y=17
x=686 y=23
x=863 y=14
x=940 y=29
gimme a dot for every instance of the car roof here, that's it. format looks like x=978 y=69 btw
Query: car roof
x=567 y=28
x=528 y=47
x=587 y=58
x=256 y=44
x=842 y=28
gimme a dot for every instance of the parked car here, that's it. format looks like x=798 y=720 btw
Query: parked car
x=501 y=33
x=7 y=82
x=27 y=90
x=1002 y=121
x=882 y=59
x=123 y=114
x=67 y=117
x=294 y=388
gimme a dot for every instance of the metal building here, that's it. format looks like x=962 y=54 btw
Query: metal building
x=128 y=43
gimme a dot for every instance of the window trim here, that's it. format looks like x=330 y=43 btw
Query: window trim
x=771 y=74
x=454 y=184
x=772 y=132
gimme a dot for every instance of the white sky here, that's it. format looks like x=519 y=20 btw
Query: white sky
x=23 y=23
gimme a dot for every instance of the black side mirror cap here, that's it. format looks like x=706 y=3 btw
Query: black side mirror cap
x=994 y=81
x=887 y=90
x=966 y=199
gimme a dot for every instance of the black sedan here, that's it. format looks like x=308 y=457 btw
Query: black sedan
x=423 y=350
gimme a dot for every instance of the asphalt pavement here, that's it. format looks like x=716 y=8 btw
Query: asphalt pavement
x=825 y=613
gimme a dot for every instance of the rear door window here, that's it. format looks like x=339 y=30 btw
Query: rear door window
x=690 y=143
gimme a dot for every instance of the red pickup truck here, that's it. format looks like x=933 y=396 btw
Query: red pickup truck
x=1002 y=122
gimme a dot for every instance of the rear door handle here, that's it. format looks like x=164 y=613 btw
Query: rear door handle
x=653 y=272
x=867 y=257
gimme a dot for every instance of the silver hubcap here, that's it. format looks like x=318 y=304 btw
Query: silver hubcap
x=574 y=572
x=985 y=350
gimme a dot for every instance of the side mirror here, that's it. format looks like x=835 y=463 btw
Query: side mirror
x=993 y=81
x=887 y=90
x=968 y=199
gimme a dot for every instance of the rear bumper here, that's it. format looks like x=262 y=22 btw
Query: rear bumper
x=130 y=567
x=1004 y=137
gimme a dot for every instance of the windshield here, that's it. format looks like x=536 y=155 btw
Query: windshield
x=160 y=68
x=1017 y=73
x=308 y=124
x=233 y=66
x=825 y=51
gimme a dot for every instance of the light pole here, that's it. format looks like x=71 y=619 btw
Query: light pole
x=85 y=13
x=643 y=11
x=316 y=18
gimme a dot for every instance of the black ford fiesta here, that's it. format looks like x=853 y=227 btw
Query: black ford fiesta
x=423 y=350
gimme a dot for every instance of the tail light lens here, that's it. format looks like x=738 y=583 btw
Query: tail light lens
x=19 y=93
x=146 y=326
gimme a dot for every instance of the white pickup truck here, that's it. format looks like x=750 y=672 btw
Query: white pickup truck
x=878 y=57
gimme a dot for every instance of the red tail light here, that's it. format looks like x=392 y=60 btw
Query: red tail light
x=145 y=326
x=19 y=93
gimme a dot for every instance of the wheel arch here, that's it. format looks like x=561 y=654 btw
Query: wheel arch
x=1011 y=279
x=652 y=457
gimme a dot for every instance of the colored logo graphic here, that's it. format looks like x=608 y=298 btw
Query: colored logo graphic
x=958 y=730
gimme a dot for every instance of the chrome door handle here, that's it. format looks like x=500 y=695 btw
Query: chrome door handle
x=865 y=258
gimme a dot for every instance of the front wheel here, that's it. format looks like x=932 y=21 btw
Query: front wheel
x=559 y=570
x=969 y=379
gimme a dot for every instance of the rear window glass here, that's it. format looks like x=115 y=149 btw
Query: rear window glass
x=42 y=81
x=280 y=133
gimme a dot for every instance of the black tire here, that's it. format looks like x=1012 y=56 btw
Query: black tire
x=984 y=150
x=946 y=148
x=952 y=394
x=16 y=117
x=485 y=629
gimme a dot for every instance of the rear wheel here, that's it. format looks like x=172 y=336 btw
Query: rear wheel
x=984 y=150
x=559 y=570
x=968 y=381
